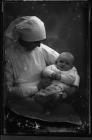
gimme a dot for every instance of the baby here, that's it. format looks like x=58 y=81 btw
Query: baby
x=63 y=75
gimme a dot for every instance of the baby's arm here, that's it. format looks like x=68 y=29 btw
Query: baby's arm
x=72 y=78
x=67 y=79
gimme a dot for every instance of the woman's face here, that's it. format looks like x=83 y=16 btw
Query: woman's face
x=29 y=46
x=64 y=64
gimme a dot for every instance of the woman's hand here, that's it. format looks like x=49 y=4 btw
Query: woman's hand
x=29 y=91
x=70 y=90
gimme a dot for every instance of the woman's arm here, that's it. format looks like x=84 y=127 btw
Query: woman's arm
x=49 y=54
x=13 y=89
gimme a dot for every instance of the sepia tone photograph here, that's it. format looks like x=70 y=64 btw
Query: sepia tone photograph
x=47 y=68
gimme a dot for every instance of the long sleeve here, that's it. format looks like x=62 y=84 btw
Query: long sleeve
x=8 y=73
x=12 y=89
x=71 y=77
x=67 y=79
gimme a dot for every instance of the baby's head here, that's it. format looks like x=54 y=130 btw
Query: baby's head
x=65 y=61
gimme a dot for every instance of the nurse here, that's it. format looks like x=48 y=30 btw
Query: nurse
x=25 y=55
x=25 y=58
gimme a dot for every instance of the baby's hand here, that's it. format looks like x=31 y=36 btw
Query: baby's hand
x=56 y=76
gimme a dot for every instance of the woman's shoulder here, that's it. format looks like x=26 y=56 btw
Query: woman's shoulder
x=44 y=47
x=49 y=50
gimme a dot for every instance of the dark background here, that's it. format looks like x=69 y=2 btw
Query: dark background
x=67 y=26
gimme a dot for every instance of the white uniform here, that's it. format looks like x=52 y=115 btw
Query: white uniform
x=24 y=68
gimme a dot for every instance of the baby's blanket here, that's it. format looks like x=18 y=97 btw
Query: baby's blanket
x=56 y=87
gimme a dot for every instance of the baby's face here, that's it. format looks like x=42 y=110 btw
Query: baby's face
x=64 y=64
